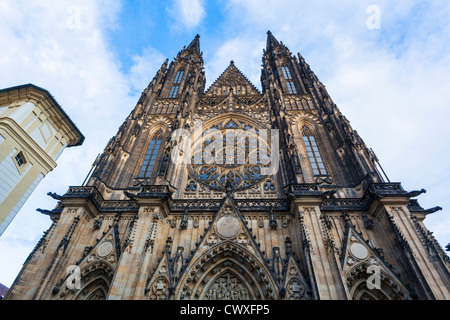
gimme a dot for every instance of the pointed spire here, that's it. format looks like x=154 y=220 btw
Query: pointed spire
x=271 y=41
x=194 y=46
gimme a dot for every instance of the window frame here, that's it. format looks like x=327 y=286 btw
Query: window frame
x=173 y=91
x=20 y=168
x=291 y=87
x=151 y=156
x=313 y=153
x=287 y=75
x=286 y=72
x=176 y=84
x=178 y=77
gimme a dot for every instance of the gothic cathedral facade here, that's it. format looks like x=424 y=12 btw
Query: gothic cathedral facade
x=235 y=193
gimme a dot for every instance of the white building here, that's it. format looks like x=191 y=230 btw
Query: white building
x=34 y=131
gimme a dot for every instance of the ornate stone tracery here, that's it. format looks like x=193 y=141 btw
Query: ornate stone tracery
x=226 y=286
x=226 y=258
x=231 y=152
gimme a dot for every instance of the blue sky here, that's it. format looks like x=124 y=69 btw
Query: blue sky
x=96 y=56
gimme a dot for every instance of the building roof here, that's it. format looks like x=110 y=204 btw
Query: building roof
x=3 y=291
x=54 y=102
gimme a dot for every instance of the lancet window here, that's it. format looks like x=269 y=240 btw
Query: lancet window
x=150 y=157
x=176 y=84
x=313 y=152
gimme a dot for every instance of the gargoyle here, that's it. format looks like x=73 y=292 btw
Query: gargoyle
x=55 y=196
x=416 y=193
x=432 y=210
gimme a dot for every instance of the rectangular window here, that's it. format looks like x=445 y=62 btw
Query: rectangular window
x=176 y=84
x=20 y=160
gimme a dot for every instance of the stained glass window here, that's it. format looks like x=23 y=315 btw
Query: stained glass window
x=236 y=154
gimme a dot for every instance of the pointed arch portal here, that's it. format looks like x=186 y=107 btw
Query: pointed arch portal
x=227 y=271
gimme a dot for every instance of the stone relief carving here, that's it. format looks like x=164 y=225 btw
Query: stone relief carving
x=227 y=287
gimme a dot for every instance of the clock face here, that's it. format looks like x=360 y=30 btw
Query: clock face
x=231 y=154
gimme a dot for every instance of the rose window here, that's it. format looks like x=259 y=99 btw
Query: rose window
x=232 y=154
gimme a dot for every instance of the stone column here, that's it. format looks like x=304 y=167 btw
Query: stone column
x=326 y=272
x=430 y=270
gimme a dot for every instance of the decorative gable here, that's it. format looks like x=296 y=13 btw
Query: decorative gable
x=367 y=275
x=227 y=263
x=95 y=270
x=294 y=283
x=233 y=80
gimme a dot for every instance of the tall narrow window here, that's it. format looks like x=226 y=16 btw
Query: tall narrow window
x=313 y=152
x=176 y=84
x=275 y=72
x=289 y=81
x=173 y=91
x=286 y=73
x=150 y=157
x=291 y=87
x=178 y=77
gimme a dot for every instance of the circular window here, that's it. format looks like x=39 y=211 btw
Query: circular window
x=231 y=154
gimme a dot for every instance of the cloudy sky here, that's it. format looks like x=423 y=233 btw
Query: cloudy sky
x=389 y=76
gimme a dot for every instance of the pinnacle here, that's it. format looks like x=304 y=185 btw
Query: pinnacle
x=194 y=46
x=271 y=40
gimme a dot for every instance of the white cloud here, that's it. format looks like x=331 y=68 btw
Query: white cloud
x=187 y=13
x=241 y=51
x=62 y=49
x=145 y=67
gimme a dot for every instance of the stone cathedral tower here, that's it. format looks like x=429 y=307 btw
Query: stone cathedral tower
x=227 y=192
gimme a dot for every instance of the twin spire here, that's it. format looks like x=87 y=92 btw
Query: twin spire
x=194 y=46
x=231 y=73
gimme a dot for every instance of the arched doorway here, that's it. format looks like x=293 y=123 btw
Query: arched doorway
x=227 y=271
